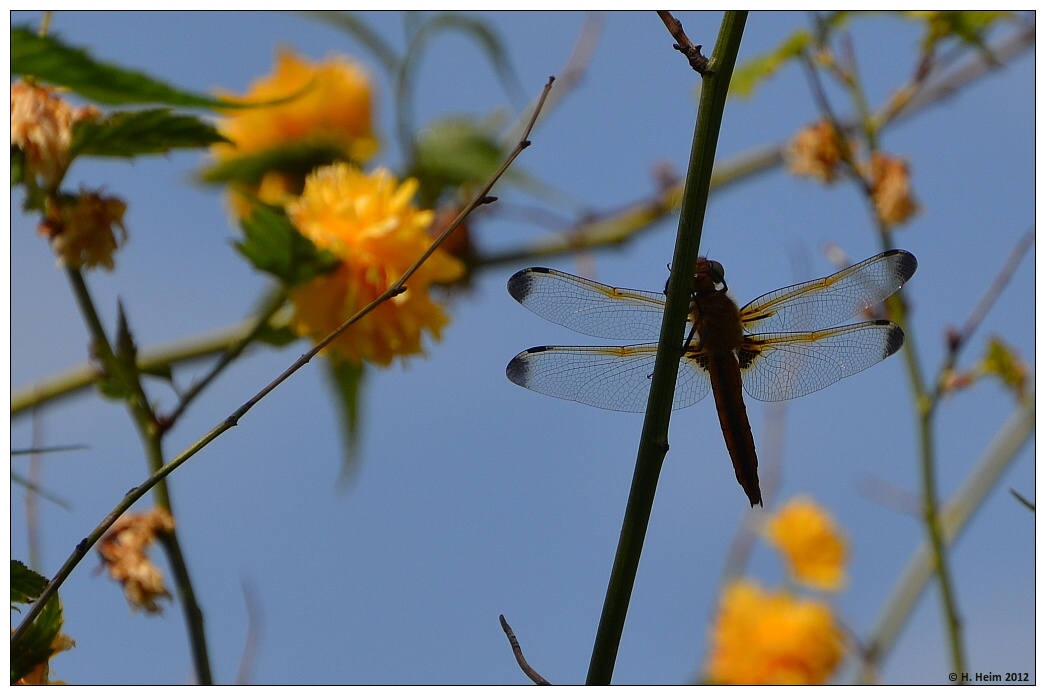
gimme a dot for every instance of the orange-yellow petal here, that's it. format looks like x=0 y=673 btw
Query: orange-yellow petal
x=369 y=222
x=761 y=637
x=325 y=102
x=811 y=543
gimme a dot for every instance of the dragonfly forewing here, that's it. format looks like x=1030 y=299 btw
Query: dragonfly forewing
x=589 y=307
x=826 y=302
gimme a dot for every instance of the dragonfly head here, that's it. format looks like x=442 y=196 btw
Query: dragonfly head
x=709 y=277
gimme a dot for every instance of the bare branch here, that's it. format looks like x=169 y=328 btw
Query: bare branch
x=683 y=43
x=518 y=652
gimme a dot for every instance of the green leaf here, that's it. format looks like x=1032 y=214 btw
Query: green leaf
x=346 y=381
x=1004 y=363
x=118 y=385
x=453 y=152
x=295 y=160
x=34 y=648
x=277 y=336
x=967 y=26
x=274 y=245
x=26 y=585
x=752 y=72
x=148 y=132
x=49 y=59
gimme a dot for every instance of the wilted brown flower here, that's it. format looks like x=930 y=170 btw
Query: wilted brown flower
x=815 y=153
x=892 y=189
x=123 y=552
x=42 y=128
x=87 y=230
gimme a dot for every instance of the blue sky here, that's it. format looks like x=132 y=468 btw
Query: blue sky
x=474 y=497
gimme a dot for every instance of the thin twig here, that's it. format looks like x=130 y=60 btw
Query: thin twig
x=260 y=321
x=959 y=339
x=254 y=633
x=518 y=652
x=683 y=43
x=231 y=421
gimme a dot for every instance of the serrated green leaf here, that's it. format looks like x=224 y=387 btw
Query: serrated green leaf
x=34 y=648
x=49 y=59
x=274 y=245
x=148 y=132
x=762 y=67
x=26 y=584
x=346 y=382
x=295 y=160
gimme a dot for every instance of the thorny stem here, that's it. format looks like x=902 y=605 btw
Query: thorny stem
x=148 y=428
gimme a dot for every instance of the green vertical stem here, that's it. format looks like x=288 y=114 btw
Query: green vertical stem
x=146 y=421
x=653 y=443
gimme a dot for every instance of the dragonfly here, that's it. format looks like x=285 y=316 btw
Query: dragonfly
x=781 y=345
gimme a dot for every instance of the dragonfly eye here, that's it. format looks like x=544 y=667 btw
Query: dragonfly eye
x=718 y=274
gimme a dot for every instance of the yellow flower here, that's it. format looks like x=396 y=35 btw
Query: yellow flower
x=84 y=233
x=811 y=543
x=762 y=637
x=368 y=221
x=331 y=107
x=123 y=551
x=42 y=128
x=892 y=189
x=815 y=153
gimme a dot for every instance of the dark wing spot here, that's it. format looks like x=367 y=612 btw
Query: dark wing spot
x=907 y=265
x=518 y=368
x=521 y=283
x=894 y=340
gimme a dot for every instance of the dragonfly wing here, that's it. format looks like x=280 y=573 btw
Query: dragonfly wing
x=829 y=301
x=613 y=378
x=775 y=367
x=588 y=307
